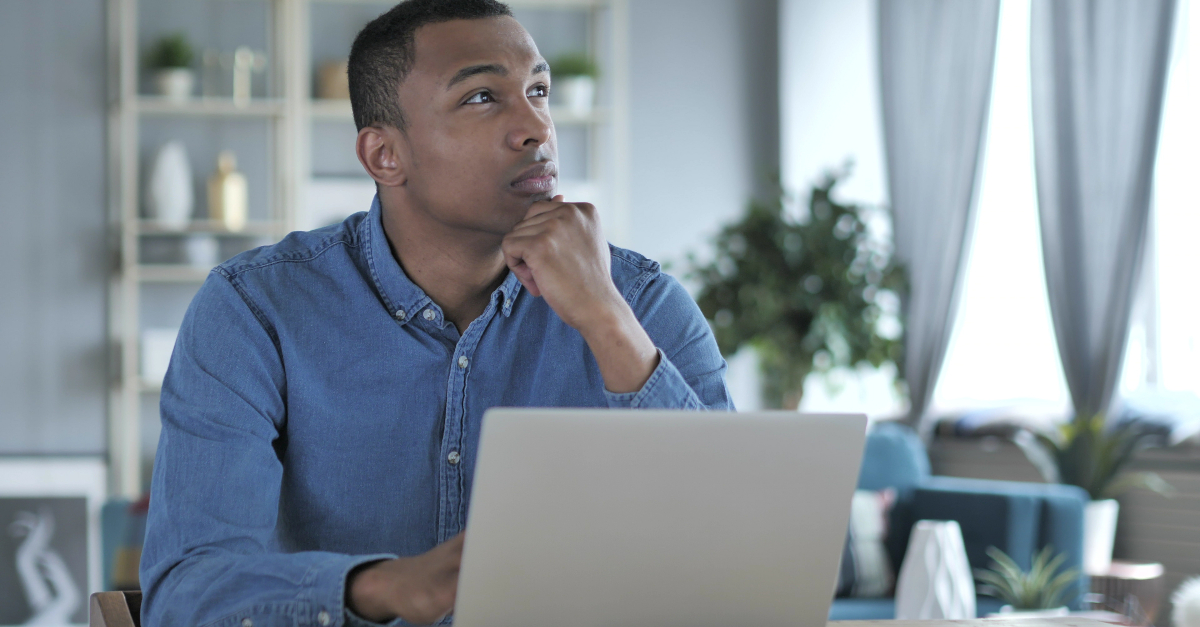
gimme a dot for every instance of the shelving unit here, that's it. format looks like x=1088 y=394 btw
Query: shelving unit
x=294 y=120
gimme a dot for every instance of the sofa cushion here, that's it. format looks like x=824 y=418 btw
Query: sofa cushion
x=866 y=569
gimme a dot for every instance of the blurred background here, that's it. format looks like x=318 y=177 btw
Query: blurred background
x=975 y=218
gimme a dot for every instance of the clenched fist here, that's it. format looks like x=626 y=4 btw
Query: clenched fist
x=559 y=253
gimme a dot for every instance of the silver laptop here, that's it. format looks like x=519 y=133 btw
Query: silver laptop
x=605 y=518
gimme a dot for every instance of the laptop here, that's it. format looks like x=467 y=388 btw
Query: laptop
x=590 y=518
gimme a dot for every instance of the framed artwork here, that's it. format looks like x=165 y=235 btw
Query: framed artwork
x=49 y=539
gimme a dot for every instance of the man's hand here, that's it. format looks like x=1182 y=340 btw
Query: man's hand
x=559 y=253
x=419 y=589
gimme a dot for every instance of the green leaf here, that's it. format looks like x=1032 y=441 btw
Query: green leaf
x=1145 y=480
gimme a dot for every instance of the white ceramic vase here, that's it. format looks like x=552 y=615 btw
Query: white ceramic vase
x=935 y=580
x=1099 y=531
x=175 y=83
x=577 y=94
x=169 y=194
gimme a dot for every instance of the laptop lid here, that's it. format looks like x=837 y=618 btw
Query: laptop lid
x=621 y=518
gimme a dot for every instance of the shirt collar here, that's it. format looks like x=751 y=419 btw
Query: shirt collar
x=403 y=298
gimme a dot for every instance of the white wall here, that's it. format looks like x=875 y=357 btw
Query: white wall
x=704 y=118
x=52 y=216
x=829 y=95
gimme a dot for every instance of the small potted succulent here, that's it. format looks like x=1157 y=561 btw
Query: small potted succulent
x=1042 y=589
x=170 y=59
x=574 y=82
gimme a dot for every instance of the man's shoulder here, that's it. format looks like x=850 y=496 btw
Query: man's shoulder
x=632 y=272
x=296 y=248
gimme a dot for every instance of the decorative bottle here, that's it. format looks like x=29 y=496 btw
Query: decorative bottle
x=227 y=198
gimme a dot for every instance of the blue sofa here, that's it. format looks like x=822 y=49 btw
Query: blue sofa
x=1019 y=518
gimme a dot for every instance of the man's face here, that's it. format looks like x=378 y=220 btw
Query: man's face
x=480 y=147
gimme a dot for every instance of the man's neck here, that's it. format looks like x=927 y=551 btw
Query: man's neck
x=458 y=270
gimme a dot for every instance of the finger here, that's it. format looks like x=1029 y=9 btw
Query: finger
x=565 y=211
x=542 y=206
x=525 y=276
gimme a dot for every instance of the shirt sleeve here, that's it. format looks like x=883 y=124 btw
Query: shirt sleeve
x=211 y=555
x=690 y=372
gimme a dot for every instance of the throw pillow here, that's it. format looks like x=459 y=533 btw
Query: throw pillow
x=866 y=570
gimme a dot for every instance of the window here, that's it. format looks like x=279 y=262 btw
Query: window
x=1003 y=350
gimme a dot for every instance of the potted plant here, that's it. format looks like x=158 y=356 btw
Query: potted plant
x=1086 y=452
x=170 y=59
x=574 y=82
x=1041 y=589
x=807 y=293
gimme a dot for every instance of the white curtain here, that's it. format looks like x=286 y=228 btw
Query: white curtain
x=1098 y=73
x=935 y=66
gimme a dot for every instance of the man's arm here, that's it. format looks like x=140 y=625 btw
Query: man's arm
x=559 y=253
x=210 y=555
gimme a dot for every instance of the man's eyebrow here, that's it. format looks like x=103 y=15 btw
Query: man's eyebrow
x=540 y=67
x=473 y=70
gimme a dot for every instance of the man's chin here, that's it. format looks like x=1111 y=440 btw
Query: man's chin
x=541 y=196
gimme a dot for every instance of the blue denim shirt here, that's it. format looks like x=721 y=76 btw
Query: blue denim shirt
x=320 y=412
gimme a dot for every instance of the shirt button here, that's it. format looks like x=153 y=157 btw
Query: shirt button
x=246 y=622
x=453 y=458
x=400 y=315
x=507 y=303
x=463 y=361
x=428 y=314
x=323 y=618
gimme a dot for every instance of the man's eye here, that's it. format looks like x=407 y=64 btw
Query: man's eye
x=539 y=91
x=481 y=98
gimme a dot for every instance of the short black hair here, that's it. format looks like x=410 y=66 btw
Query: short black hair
x=382 y=54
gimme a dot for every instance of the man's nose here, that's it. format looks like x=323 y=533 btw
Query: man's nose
x=532 y=127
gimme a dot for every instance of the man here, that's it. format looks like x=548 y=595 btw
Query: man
x=322 y=409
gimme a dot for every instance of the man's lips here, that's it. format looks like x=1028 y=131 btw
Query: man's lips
x=536 y=179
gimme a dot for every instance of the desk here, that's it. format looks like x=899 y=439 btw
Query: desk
x=120 y=609
x=1066 y=621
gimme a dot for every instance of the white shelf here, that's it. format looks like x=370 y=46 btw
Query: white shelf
x=258 y=107
x=170 y=273
x=516 y=4
x=211 y=227
x=340 y=111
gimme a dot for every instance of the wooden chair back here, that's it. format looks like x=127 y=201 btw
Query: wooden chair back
x=115 y=609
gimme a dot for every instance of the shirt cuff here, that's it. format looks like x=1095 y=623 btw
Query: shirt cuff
x=665 y=389
x=328 y=585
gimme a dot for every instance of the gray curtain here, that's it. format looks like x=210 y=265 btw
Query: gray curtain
x=935 y=67
x=1099 y=68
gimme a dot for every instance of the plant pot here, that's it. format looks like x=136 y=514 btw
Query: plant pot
x=1008 y=611
x=1099 y=531
x=175 y=83
x=576 y=93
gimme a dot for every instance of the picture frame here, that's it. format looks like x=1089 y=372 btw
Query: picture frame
x=49 y=538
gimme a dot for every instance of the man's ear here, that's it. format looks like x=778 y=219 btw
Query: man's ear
x=379 y=151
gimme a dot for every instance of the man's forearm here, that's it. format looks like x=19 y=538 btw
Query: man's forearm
x=625 y=353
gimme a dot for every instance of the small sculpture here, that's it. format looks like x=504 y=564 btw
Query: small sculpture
x=1187 y=604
